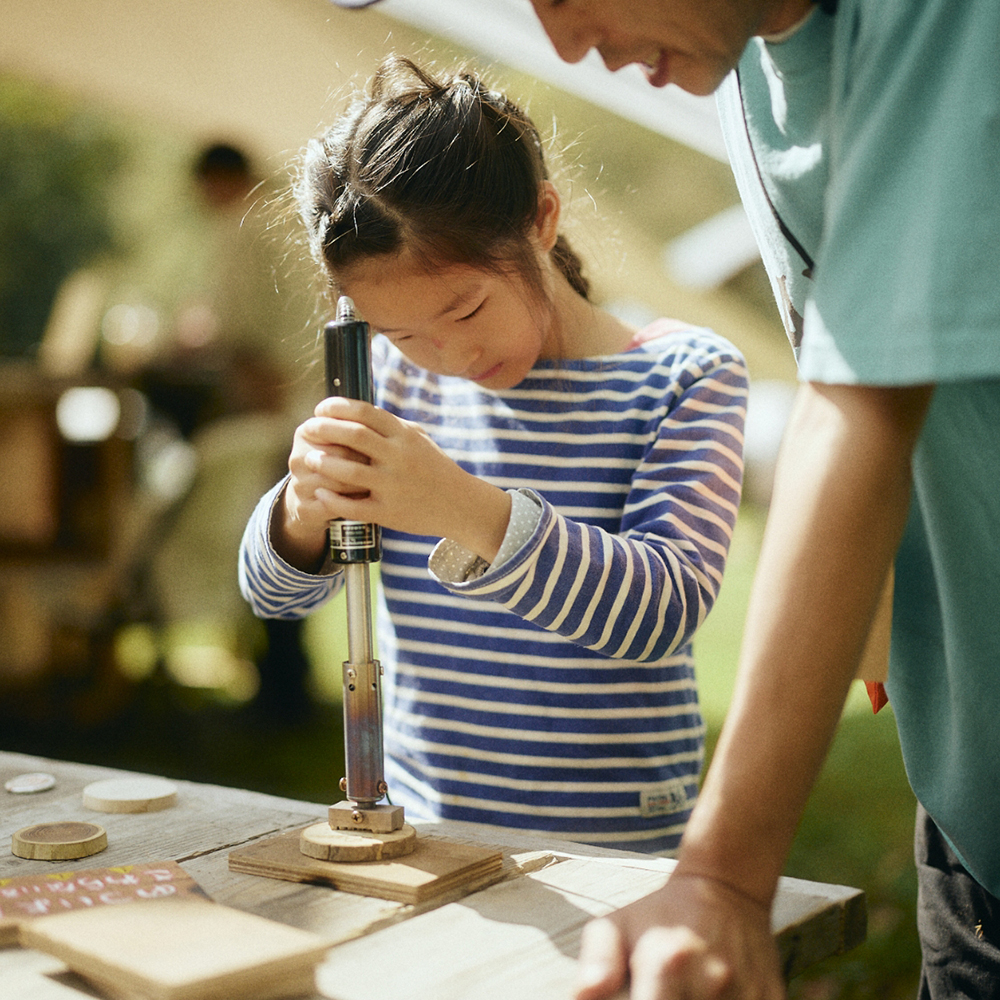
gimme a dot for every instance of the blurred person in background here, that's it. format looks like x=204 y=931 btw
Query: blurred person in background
x=235 y=378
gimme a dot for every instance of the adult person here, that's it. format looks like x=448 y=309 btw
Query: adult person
x=876 y=132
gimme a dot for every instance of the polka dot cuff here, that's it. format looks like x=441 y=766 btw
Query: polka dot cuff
x=453 y=563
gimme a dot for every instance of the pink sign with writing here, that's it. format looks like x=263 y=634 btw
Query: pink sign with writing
x=28 y=896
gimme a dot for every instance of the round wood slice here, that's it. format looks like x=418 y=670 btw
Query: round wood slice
x=130 y=795
x=59 y=841
x=323 y=842
x=34 y=781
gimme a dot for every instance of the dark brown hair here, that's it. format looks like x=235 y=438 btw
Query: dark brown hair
x=444 y=168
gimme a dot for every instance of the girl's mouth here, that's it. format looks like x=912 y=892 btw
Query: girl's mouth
x=489 y=373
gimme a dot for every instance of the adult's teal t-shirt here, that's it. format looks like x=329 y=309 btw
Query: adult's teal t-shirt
x=877 y=134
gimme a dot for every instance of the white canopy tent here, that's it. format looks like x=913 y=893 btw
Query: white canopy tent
x=268 y=67
x=508 y=31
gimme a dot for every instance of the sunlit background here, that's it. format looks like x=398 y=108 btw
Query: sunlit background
x=157 y=333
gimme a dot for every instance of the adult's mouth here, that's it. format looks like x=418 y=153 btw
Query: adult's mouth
x=658 y=70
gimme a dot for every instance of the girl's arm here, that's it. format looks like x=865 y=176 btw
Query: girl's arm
x=353 y=460
x=642 y=592
x=357 y=461
x=272 y=586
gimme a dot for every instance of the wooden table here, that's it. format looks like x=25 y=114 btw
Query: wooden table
x=516 y=938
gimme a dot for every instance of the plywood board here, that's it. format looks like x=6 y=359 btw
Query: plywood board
x=434 y=868
x=181 y=949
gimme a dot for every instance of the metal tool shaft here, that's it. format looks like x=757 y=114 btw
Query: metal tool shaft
x=355 y=544
x=364 y=755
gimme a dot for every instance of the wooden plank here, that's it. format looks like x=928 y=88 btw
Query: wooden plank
x=31 y=975
x=181 y=949
x=810 y=918
x=522 y=938
x=206 y=818
x=519 y=938
x=523 y=932
x=435 y=867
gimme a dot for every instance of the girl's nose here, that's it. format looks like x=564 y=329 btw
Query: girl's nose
x=458 y=359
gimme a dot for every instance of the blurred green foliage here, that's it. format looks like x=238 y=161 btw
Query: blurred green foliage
x=58 y=168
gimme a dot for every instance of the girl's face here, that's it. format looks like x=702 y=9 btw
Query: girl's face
x=457 y=320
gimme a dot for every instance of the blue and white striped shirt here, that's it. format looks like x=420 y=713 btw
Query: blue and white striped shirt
x=555 y=691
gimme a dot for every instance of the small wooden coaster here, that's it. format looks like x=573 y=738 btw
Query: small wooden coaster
x=28 y=784
x=130 y=795
x=434 y=868
x=181 y=949
x=59 y=841
x=323 y=842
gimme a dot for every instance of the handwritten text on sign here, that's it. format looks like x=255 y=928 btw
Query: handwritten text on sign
x=40 y=895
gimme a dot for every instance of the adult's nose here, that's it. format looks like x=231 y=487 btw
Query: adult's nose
x=571 y=39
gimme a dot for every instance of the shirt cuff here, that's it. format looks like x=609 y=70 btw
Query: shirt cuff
x=451 y=562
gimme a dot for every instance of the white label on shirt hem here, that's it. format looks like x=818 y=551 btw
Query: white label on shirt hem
x=667 y=797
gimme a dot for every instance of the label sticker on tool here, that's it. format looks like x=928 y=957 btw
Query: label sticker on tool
x=664 y=798
x=351 y=535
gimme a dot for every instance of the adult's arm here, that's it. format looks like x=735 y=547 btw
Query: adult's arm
x=837 y=514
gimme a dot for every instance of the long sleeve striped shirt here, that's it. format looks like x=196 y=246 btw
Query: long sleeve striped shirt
x=554 y=690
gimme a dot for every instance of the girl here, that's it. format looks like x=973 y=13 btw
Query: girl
x=557 y=491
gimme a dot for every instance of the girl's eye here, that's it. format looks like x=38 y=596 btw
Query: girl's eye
x=462 y=319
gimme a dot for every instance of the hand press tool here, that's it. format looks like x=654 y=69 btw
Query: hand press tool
x=354 y=545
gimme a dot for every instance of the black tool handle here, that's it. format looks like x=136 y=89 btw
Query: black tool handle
x=347 y=342
x=348 y=354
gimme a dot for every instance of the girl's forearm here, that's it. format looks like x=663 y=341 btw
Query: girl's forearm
x=477 y=515
x=299 y=546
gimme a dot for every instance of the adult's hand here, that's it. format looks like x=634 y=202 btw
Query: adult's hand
x=694 y=938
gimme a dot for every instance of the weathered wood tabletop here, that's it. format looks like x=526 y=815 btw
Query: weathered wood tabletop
x=516 y=938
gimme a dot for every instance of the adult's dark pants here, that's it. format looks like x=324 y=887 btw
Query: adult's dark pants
x=958 y=921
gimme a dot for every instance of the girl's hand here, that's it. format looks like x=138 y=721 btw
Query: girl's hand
x=355 y=461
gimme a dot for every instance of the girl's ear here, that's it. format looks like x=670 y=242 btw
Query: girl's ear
x=547 y=220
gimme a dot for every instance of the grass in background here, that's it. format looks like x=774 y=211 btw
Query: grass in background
x=857 y=829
